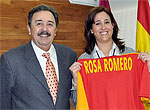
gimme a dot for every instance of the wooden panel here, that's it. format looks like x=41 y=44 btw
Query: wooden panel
x=8 y=44
x=70 y=43
x=5 y=1
x=69 y=36
x=13 y=23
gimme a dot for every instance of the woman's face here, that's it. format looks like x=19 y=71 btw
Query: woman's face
x=102 y=28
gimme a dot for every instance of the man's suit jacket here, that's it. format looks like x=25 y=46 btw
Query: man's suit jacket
x=23 y=84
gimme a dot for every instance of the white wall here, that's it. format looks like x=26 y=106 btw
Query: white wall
x=125 y=13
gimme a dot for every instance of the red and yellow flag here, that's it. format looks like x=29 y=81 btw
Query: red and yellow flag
x=143 y=26
x=104 y=3
x=143 y=34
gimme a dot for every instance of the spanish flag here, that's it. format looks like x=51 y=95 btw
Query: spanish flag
x=143 y=26
x=104 y=3
x=143 y=34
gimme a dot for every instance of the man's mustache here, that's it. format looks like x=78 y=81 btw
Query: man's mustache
x=44 y=33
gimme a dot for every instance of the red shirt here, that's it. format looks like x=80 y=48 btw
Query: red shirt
x=115 y=82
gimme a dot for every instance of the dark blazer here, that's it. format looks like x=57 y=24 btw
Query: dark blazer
x=23 y=84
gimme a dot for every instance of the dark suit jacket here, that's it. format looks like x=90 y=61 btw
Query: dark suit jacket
x=23 y=84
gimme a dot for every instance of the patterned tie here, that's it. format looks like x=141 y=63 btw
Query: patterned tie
x=51 y=77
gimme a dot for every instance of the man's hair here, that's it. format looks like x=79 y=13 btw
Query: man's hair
x=42 y=8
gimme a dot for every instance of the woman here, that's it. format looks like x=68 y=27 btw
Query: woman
x=101 y=34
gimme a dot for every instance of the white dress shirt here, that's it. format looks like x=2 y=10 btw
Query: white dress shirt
x=42 y=60
x=96 y=51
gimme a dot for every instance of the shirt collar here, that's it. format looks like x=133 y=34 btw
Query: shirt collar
x=39 y=51
x=114 y=50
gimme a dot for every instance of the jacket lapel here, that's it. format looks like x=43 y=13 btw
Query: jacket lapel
x=62 y=68
x=33 y=65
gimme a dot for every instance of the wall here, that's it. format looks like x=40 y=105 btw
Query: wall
x=13 y=23
x=125 y=13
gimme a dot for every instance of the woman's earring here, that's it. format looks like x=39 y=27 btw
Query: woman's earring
x=91 y=32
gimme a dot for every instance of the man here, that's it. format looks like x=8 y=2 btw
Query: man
x=26 y=82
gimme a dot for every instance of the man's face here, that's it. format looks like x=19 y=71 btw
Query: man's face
x=43 y=29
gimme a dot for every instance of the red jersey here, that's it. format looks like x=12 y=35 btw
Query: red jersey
x=116 y=82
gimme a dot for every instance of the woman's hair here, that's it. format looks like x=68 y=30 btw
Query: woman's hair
x=90 y=38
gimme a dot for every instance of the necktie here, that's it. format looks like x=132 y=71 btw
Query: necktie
x=51 y=77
